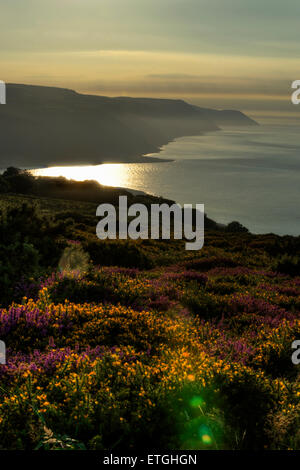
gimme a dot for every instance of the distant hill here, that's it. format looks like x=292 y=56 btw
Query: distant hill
x=42 y=126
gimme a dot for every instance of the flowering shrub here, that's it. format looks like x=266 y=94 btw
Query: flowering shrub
x=195 y=354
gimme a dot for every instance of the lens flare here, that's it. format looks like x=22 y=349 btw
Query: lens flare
x=206 y=439
x=196 y=402
x=205 y=435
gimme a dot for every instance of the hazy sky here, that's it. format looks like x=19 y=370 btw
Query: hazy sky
x=240 y=54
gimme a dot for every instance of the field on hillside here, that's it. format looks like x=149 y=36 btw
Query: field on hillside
x=143 y=344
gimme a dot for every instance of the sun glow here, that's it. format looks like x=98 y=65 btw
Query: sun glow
x=115 y=174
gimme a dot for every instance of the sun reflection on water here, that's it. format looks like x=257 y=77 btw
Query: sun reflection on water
x=109 y=174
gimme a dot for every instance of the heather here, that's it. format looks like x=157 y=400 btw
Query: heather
x=141 y=344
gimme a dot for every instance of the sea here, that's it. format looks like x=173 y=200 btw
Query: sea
x=250 y=175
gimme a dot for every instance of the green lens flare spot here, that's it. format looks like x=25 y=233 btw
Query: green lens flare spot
x=205 y=435
x=196 y=401
x=206 y=439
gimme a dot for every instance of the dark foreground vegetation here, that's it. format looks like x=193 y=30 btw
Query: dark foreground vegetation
x=136 y=344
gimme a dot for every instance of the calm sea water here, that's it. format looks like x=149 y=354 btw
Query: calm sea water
x=251 y=175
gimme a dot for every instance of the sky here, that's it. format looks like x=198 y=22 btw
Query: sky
x=234 y=54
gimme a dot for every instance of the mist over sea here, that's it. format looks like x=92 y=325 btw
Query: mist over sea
x=251 y=175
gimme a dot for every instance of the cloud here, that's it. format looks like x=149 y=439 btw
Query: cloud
x=178 y=85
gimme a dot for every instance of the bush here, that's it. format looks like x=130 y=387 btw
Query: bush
x=27 y=246
x=288 y=265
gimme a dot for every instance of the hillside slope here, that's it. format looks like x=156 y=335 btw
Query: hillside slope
x=41 y=126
